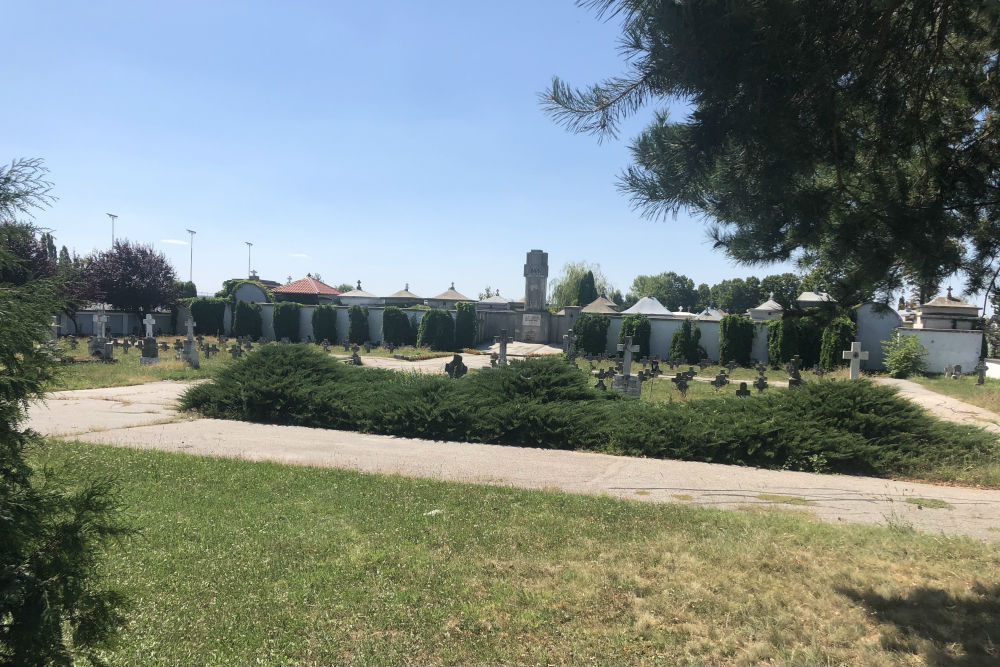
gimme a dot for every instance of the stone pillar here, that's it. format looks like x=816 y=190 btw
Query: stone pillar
x=536 y=273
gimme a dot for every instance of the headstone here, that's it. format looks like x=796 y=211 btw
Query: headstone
x=164 y=346
x=625 y=382
x=704 y=363
x=98 y=346
x=957 y=372
x=680 y=383
x=760 y=384
x=981 y=369
x=743 y=391
x=502 y=340
x=236 y=351
x=731 y=365
x=189 y=348
x=368 y=346
x=285 y=340
x=150 y=351
x=456 y=368
x=569 y=345
x=949 y=371
x=818 y=371
x=347 y=346
x=720 y=381
x=792 y=368
x=856 y=356
x=600 y=385
x=355 y=359
x=325 y=345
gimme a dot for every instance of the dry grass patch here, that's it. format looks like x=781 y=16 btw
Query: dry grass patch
x=781 y=498
x=931 y=503
x=252 y=563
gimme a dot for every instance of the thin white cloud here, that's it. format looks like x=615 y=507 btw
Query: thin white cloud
x=298 y=254
x=173 y=242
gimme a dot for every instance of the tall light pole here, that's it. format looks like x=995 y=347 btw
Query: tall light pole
x=113 y=218
x=249 y=245
x=191 y=243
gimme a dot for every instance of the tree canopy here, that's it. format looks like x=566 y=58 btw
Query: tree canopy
x=861 y=135
x=673 y=290
x=565 y=290
x=131 y=277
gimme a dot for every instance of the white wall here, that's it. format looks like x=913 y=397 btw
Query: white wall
x=873 y=328
x=948 y=347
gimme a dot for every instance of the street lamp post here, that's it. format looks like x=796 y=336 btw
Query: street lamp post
x=113 y=218
x=249 y=245
x=191 y=266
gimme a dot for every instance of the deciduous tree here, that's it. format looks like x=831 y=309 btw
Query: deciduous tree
x=131 y=277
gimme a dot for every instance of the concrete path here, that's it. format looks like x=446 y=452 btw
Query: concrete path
x=945 y=407
x=145 y=417
x=436 y=365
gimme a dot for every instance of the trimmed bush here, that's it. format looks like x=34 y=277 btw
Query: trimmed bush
x=209 y=316
x=396 y=327
x=638 y=327
x=735 y=339
x=357 y=324
x=839 y=426
x=437 y=330
x=247 y=320
x=286 y=320
x=591 y=331
x=782 y=341
x=684 y=344
x=465 y=325
x=837 y=337
x=904 y=356
x=324 y=321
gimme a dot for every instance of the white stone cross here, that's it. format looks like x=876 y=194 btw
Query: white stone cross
x=149 y=321
x=628 y=348
x=100 y=319
x=190 y=327
x=856 y=356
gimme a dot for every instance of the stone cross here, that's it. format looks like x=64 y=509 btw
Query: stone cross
x=731 y=365
x=629 y=349
x=149 y=321
x=743 y=391
x=720 y=381
x=856 y=356
x=502 y=339
x=981 y=369
x=569 y=345
x=100 y=319
x=190 y=323
x=681 y=382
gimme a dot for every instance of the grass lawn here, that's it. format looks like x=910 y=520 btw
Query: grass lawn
x=985 y=396
x=126 y=369
x=410 y=352
x=263 y=564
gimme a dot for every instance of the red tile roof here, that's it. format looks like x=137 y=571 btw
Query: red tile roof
x=307 y=285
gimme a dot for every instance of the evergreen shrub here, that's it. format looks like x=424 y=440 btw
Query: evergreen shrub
x=736 y=339
x=465 y=325
x=639 y=328
x=782 y=341
x=247 y=320
x=839 y=426
x=591 y=331
x=357 y=324
x=396 y=327
x=904 y=356
x=324 y=322
x=209 y=316
x=286 y=320
x=684 y=344
x=837 y=337
x=437 y=330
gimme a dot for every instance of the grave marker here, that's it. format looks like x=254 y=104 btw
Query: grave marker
x=981 y=368
x=502 y=339
x=856 y=356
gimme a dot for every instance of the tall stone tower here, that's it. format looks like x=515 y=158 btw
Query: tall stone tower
x=536 y=274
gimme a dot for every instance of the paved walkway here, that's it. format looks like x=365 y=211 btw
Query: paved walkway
x=945 y=407
x=144 y=416
x=436 y=365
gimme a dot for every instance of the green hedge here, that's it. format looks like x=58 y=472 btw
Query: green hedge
x=286 y=321
x=836 y=426
x=437 y=330
x=736 y=339
x=396 y=327
x=638 y=327
x=357 y=324
x=837 y=337
x=591 y=330
x=685 y=343
x=209 y=316
x=247 y=320
x=324 y=321
x=465 y=325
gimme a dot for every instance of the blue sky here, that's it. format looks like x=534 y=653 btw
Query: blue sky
x=391 y=142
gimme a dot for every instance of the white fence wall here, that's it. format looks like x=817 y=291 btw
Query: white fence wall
x=948 y=347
